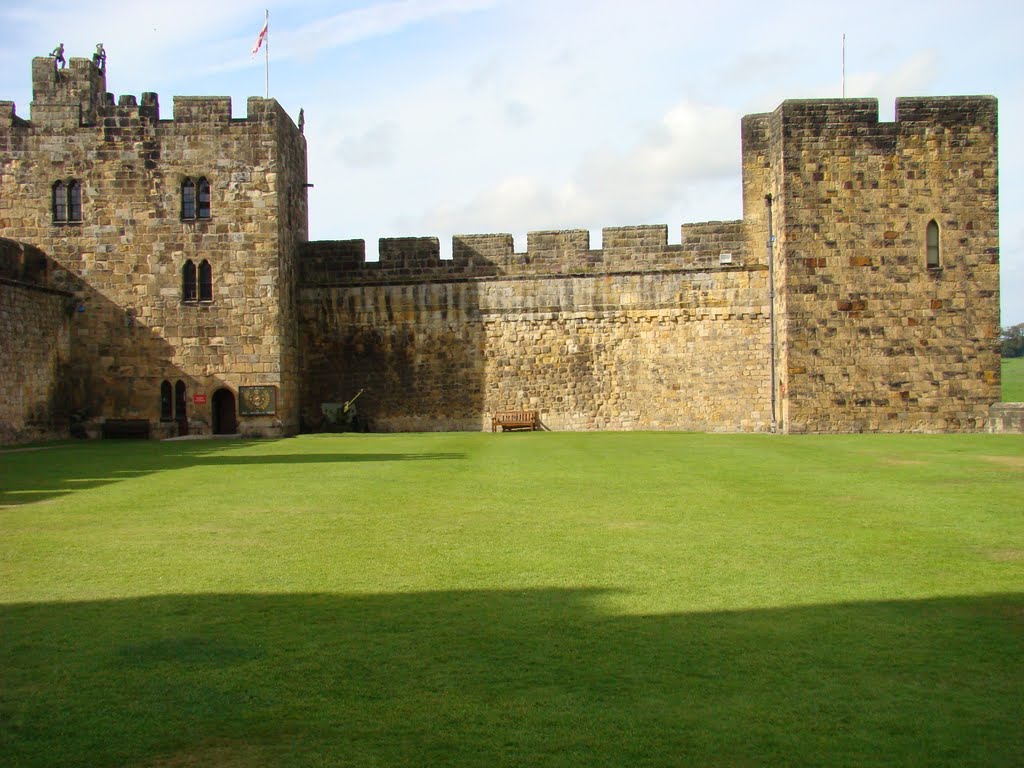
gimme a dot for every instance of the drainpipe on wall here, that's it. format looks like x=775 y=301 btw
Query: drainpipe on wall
x=771 y=308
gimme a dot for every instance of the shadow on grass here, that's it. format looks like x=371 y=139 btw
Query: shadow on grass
x=63 y=468
x=496 y=678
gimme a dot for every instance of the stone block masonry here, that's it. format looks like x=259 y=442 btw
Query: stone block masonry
x=126 y=253
x=859 y=292
x=872 y=336
x=35 y=348
x=641 y=335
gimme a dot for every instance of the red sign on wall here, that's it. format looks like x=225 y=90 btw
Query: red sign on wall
x=199 y=399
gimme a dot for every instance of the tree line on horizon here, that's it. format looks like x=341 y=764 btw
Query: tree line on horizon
x=1012 y=340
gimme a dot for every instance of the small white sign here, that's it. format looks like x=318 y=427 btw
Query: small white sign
x=725 y=258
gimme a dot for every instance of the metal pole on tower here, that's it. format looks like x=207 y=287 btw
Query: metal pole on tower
x=267 y=52
x=844 y=65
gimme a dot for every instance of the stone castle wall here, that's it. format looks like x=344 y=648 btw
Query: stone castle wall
x=816 y=312
x=645 y=335
x=638 y=335
x=35 y=348
x=124 y=260
x=870 y=337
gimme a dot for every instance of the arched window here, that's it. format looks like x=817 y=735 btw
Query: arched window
x=179 y=401
x=933 y=259
x=74 y=201
x=188 y=199
x=60 y=202
x=188 y=281
x=166 y=401
x=205 y=281
x=203 y=210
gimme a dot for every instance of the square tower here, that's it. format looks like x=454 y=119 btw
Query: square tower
x=178 y=239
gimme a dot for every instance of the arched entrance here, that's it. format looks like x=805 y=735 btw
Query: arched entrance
x=224 y=420
x=181 y=408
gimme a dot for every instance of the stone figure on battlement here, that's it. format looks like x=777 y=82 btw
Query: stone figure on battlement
x=57 y=54
x=100 y=58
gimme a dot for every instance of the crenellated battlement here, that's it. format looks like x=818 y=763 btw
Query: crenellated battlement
x=76 y=97
x=707 y=245
x=850 y=119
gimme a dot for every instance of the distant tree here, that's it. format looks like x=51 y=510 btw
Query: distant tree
x=1012 y=338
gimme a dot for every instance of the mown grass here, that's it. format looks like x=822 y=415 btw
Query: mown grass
x=507 y=600
x=1013 y=380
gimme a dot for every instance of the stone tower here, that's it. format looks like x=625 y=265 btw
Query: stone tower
x=885 y=254
x=178 y=241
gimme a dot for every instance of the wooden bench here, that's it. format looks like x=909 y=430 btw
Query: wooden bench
x=508 y=420
x=126 y=429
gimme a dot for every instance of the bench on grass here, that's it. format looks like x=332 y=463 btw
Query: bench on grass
x=125 y=429
x=508 y=420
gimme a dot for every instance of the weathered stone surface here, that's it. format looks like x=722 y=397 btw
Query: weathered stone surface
x=1006 y=418
x=124 y=259
x=816 y=312
x=671 y=349
x=870 y=338
x=35 y=348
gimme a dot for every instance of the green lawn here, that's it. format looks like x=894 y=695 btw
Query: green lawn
x=1013 y=380
x=537 y=599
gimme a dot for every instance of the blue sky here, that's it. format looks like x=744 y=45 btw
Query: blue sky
x=432 y=117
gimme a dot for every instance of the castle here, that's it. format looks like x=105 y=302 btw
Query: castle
x=156 y=276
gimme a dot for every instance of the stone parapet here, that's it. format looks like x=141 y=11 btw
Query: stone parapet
x=1006 y=418
x=555 y=252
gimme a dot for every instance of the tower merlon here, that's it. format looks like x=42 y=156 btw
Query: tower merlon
x=70 y=96
x=202 y=109
x=948 y=111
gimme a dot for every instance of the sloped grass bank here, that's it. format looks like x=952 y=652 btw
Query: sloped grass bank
x=1013 y=380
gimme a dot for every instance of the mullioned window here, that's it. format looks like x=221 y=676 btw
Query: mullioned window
x=196 y=282
x=67 y=202
x=195 y=199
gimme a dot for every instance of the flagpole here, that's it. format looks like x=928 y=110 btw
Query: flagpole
x=844 y=65
x=266 y=53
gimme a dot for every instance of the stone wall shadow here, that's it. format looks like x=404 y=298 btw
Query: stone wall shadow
x=402 y=335
x=116 y=361
x=507 y=678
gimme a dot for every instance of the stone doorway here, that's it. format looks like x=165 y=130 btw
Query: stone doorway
x=180 y=408
x=224 y=420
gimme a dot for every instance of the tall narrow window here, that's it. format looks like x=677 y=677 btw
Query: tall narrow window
x=188 y=281
x=179 y=401
x=932 y=238
x=166 y=400
x=74 y=201
x=60 y=202
x=205 y=281
x=188 y=199
x=203 y=210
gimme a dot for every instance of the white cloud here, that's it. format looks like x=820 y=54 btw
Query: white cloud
x=373 y=149
x=692 y=143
